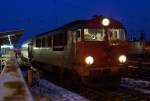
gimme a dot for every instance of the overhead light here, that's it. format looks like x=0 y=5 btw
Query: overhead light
x=7 y=46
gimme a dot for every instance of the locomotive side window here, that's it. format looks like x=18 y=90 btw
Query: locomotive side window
x=43 y=42
x=38 y=43
x=65 y=37
x=58 y=42
x=49 y=41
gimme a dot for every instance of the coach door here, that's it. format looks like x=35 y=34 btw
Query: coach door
x=30 y=50
x=76 y=36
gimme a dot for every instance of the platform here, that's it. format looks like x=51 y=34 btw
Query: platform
x=12 y=84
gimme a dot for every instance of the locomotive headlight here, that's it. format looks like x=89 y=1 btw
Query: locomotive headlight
x=105 y=22
x=122 y=58
x=89 y=60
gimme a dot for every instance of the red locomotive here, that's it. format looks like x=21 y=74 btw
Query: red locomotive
x=90 y=49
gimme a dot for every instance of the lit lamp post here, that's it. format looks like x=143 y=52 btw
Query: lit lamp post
x=105 y=23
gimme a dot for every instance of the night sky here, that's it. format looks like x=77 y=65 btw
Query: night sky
x=36 y=16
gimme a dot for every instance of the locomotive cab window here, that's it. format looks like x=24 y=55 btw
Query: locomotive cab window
x=93 y=34
x=116 y=34
x=99 y=34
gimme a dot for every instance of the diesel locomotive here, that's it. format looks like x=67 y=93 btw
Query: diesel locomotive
x=91 y=48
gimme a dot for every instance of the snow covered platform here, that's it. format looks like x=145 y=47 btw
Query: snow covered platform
x=44 y=90
x=12 y=84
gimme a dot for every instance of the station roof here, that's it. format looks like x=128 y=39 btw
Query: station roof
x=13 y=36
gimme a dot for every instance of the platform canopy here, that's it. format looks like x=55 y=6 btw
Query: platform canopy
x=10 y=37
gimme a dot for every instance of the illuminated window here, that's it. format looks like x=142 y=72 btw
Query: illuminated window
x=94 y=35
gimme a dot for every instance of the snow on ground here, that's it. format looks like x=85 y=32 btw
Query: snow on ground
x=45 y=88
x=53 y=92
x=139 y=85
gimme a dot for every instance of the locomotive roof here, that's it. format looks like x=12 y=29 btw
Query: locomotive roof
x=70 y=25
x=95 y=22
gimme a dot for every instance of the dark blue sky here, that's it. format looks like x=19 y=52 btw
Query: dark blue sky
x=35 y=16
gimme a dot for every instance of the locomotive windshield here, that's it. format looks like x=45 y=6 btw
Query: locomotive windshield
x=99 y=34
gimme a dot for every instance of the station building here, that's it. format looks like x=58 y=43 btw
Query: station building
x=8 y=40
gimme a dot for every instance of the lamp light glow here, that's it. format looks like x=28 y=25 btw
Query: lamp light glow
x=122 y=58
x=105 y=22
x=89 y=60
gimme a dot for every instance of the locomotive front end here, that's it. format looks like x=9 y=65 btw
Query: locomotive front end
x=95 y=60
x=103 y=49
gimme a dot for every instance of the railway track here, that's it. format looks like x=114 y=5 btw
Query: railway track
x=113 y=94
x=118 y=94
x=121 y=93
x=129 y=90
